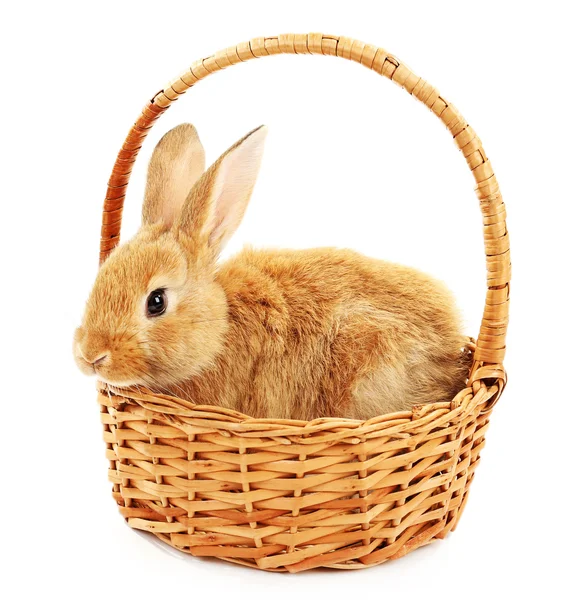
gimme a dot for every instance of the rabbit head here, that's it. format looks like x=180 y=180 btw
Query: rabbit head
x=156 y=315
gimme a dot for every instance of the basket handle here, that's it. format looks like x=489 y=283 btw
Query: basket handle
x=490 y=346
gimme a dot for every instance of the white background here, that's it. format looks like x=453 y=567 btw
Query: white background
x=351 y=161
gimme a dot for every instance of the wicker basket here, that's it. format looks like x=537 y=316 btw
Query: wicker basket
x=292 y=495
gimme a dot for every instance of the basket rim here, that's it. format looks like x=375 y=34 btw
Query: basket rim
x=194 y=417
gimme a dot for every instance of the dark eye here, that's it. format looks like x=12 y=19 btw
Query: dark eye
x=156 y=303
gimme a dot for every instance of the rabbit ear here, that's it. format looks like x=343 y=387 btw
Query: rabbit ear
x=176 y=164
x=218 y=201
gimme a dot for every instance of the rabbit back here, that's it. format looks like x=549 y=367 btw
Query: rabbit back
x=328 y=332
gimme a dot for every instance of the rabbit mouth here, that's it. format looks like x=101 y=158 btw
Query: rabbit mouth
x=90 y=369
x=129 y=383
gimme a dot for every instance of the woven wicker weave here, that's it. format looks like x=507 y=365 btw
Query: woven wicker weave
x=291 y=495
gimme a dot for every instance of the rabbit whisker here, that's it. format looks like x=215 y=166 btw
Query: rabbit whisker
x=122 y=339
x=164 y=390
x=207 y=320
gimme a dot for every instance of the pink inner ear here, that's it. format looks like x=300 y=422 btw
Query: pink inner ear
x=233 y=186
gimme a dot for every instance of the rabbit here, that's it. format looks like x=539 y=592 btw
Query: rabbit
x=282 y=334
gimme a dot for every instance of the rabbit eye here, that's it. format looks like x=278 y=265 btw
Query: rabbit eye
x=156 y=303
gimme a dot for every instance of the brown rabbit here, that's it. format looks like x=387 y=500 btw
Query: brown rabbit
x=271 y=333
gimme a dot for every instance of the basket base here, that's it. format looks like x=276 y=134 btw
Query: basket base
x=357 y=556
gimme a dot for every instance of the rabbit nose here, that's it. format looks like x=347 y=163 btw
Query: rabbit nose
x=99 y=360
x=93 y=361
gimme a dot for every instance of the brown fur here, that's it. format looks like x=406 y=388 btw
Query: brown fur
x=282 y=334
